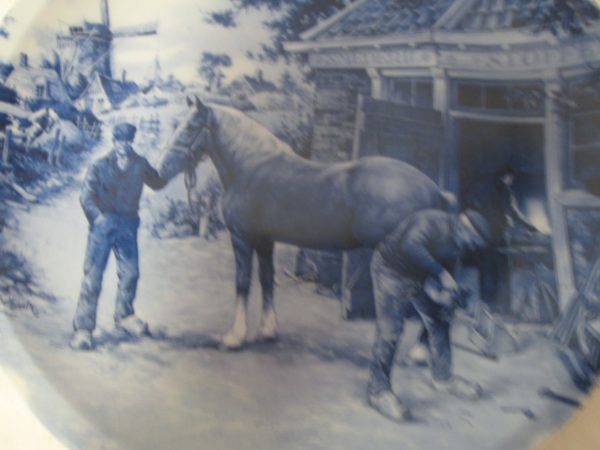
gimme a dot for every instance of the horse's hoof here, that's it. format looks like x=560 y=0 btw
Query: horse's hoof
x=231 y=342
x=268 y=336
x=268 y=327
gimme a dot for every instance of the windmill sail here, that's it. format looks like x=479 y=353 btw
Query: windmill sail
x=137 y=30
x=88 y=47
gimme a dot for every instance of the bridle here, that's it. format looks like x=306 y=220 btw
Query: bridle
x=191 y=156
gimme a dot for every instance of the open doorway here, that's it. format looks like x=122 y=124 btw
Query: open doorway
x=502 y=175
x=488 y=148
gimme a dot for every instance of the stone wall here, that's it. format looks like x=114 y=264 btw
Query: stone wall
x=336 y=92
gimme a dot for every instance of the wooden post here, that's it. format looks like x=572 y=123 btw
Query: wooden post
x=555 y=145
x=61 y=147
x=53 y=149
x=377 y=84
x=6 y=148
x=442 y=102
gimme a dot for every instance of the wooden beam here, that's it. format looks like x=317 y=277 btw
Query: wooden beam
x=442 y=93
x=377 y=84
x=555 y=145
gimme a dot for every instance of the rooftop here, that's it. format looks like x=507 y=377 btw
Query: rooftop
x=376 y=18
x=382 y=17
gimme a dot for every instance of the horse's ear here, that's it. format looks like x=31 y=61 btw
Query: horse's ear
x=199 y=105
x=189 y=101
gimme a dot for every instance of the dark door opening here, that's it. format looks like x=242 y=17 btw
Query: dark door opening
x=502 y=173
x=487 y=148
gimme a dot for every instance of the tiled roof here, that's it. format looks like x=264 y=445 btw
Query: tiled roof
x=492 y=15
x=390 y=17
x=117 y=91
x=384 y=17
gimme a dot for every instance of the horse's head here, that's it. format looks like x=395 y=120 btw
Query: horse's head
x=189 y=142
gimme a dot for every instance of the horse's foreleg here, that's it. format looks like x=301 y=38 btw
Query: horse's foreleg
x=242 y=249
x=268 y=321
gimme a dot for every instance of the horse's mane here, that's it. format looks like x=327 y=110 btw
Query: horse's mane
x=240 y=133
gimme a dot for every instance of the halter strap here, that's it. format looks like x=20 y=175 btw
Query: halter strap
x=207 y=125
x=190 y=178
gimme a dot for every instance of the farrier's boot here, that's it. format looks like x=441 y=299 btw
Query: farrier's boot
x=388 y=405
x=81 y=340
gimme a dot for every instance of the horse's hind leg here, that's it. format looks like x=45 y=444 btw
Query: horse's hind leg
x=242 y=249
x=266 y=270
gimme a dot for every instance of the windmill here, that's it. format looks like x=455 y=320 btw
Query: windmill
x=87 y=48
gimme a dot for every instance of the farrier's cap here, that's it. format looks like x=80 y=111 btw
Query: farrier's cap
x=124 y=132
x=481 y=226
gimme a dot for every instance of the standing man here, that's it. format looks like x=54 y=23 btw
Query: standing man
x=418 y=255
x=110 y=198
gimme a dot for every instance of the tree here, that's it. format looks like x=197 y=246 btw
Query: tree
x=52 y=62
x=563 y=16
x=210 y=68
x=5 y=70
x=4 y=26
x=287 y=82
x=292 y=17
x=289 y=19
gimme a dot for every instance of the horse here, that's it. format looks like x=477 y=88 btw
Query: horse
x=273 y=195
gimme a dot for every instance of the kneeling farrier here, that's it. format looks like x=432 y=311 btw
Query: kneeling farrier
x=423 y=249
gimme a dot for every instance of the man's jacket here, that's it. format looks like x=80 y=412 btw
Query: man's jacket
x=108 y=190
x=423 y=245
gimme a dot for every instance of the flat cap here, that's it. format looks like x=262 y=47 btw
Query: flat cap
x=124 y=132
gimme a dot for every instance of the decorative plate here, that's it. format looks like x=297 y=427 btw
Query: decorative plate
x=413 y=184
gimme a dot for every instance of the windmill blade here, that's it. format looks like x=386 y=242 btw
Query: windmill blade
x=93 y=65
x=68 y=68
x=137 y=30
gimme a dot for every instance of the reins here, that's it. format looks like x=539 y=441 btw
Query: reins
x=190 y=178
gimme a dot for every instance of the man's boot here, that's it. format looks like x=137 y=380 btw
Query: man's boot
x=133 y=326
x=388 y=405
x=82 y=340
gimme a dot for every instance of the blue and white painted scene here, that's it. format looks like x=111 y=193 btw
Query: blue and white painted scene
x=305 y=224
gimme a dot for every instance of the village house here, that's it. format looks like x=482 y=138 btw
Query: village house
x=104 y=94
x=460 y=88
x=36 y=84
x=7 y=97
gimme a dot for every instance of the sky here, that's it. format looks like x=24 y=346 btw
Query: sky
x=182 y=34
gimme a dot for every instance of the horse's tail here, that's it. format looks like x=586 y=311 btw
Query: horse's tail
x=450 y=201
